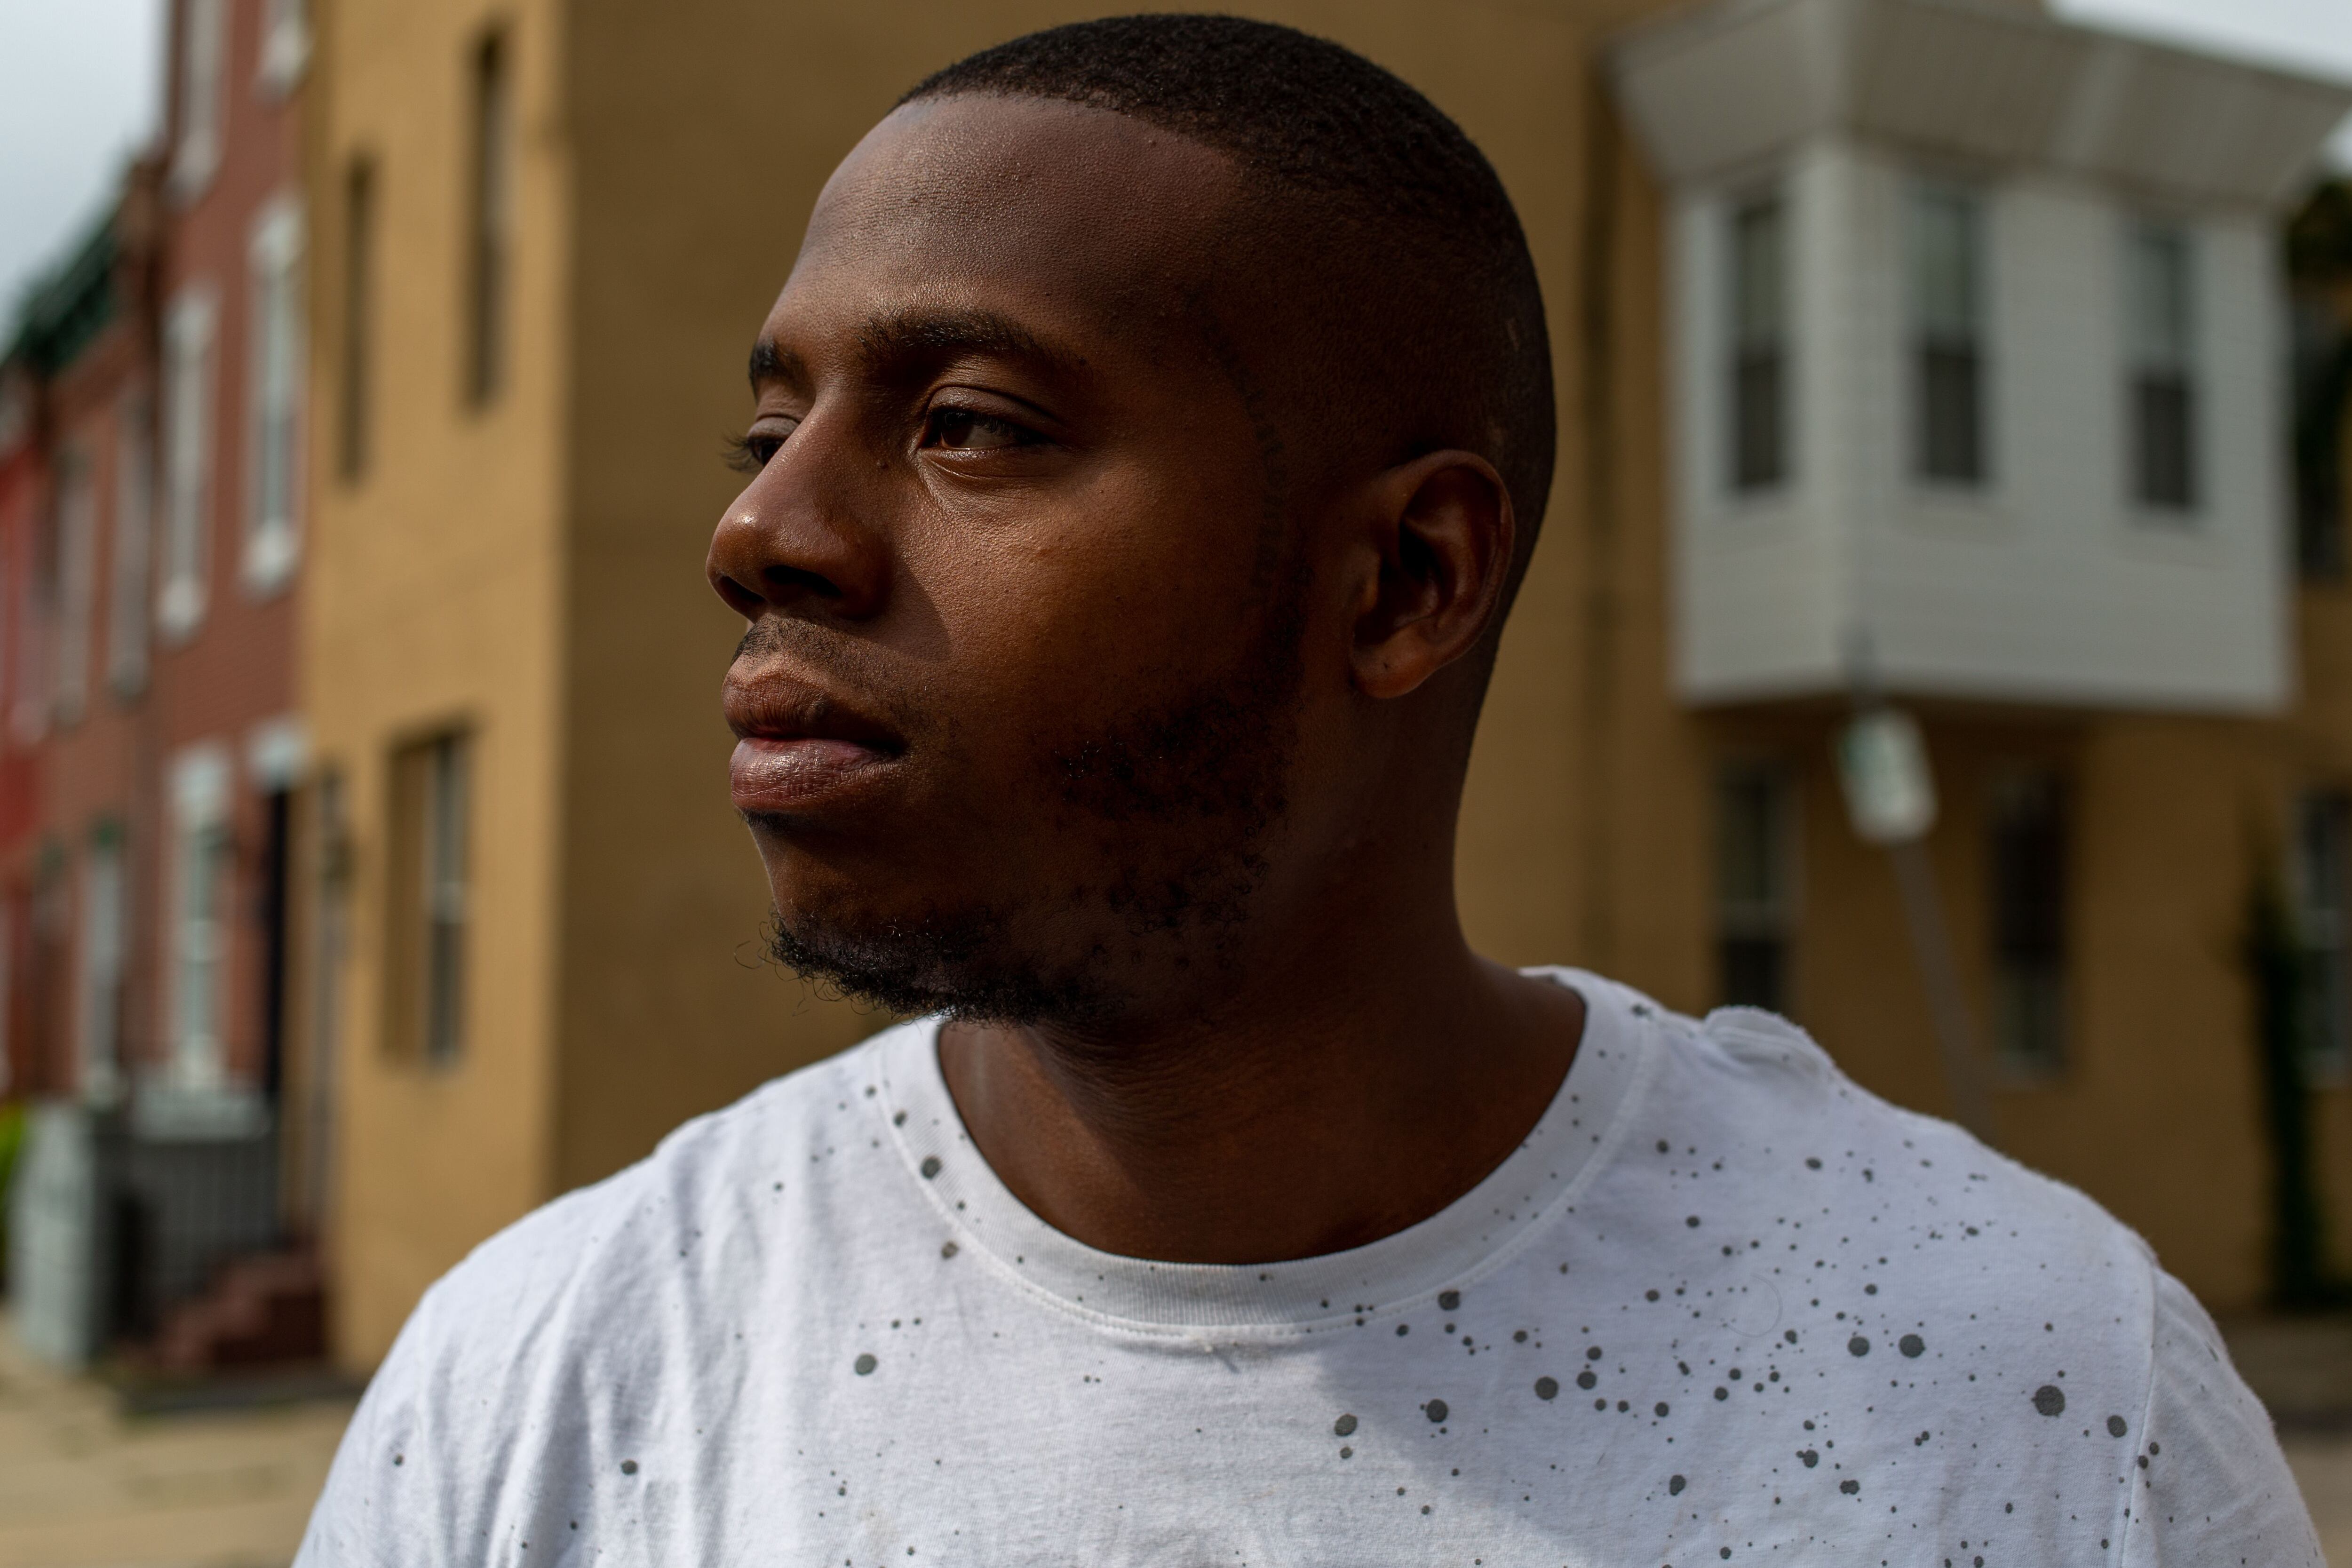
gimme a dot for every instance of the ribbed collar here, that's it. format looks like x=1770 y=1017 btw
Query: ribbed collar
x=1462 y=1243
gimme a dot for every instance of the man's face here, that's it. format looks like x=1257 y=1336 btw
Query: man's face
x=1021 y=694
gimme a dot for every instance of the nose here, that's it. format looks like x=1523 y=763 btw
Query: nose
x=793 y=543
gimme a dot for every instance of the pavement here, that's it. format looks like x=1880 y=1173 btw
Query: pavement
x=86 y=1482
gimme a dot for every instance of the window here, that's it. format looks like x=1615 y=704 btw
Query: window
x=134 y=511
x=274 y=385
x=285 y=43
x=2160 y=293
x=432 y=786
x=2323 y=397
x=2028 y=841
x=200 y=868
x=76 y=590
x=487 y=221
x=1755 y=884
x=1947 y=328
x=187 y=461
x=196 y=142
x=98 y=1013
x=359 y=264
x=1759 y=345
x=2324 y=921
x=35 y=603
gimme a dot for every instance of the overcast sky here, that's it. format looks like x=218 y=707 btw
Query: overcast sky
x=78 y=89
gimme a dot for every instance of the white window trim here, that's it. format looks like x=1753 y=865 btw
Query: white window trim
x=202 y=783
x=203 y=71
x=274 y=255
x=1981 y=194
x=191 y=330
x=2192 y=518
x=285 y=45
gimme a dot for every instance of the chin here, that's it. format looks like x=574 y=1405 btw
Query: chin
x=962 y=964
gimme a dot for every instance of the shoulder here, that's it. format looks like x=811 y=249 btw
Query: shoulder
x=550 y=1334
x=710 y=1178
x=1826 y=1143
x=1906 y=1229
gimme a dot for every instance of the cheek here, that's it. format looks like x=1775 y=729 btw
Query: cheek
x=1078 y=610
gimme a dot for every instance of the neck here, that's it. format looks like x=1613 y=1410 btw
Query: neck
x=1365 y=1069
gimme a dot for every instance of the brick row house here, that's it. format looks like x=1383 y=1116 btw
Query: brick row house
x=151 y=483
x=1923 y=351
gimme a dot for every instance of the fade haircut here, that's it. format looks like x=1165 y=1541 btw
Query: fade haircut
x=1441 y=319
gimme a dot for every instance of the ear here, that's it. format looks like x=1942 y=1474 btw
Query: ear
x=1437 y=544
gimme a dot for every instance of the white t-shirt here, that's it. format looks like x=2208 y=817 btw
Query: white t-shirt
x=1721 y=1305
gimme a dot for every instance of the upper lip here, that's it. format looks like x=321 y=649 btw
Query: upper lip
x=772 y=705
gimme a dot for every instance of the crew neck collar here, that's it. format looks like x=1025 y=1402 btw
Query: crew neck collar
x=1462 y=1243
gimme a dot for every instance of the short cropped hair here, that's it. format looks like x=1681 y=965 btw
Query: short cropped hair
x=1318 y=126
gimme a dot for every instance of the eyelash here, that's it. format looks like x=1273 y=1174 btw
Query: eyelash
x=744 y=454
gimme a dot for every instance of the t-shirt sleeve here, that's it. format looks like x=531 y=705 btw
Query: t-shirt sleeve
x=359 y=1521
x=2208 y=1486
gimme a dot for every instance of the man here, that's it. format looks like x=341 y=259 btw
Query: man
x=1145 y=446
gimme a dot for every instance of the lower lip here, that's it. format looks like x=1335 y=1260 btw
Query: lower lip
x=781 y=775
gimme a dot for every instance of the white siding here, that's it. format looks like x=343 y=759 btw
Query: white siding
x=2047 y=583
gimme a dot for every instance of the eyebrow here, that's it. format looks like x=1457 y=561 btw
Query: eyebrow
x=920 y=334
x=771 y=362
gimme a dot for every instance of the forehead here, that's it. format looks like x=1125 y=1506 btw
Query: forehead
x=1016 y=206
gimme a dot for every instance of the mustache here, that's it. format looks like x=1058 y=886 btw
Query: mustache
x=881 y=684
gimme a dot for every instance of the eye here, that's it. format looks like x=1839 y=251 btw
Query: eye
x=969 y=430
x=747 y=454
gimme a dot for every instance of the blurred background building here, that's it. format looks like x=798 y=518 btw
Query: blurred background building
x=369 y=873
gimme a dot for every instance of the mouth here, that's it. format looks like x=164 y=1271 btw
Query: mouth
x=798 y=746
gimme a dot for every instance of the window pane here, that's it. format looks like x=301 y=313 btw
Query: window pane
x=134 y=507
x=2160 y=291
x=488 y=220
x=1949 y=392
x=1951 y=413
x=2161 y=297
x=1755 y=884
x=274 y=395
x=1759 y=338
x=1947 y=293
x=2029 y=843
x=2162 y=418
x=359 y=259
x=187 y=461
x=2323 y=880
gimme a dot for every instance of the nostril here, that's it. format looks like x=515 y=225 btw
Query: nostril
x=785 y=581
x=738 y=598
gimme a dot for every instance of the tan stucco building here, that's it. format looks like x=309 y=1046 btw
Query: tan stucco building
x=544 y=235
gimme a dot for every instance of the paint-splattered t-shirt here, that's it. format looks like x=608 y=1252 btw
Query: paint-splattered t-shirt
x=1721 y=1306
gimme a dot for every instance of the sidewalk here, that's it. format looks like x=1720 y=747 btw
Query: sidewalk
x=82 y=1486
x=2302 y=1369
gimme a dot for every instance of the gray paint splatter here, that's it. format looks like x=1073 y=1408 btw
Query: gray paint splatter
x=1546 y=1388
x=1675 y=1485
x=1912 y=1345
x=930 y=1166
x=864 y=1364
x=1858 y=1345
x=2050 y=1399
x=1344 y=1427
x=1435 y=1410
x=2116 y=1427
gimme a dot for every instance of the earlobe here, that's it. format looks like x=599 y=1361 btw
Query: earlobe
x=1441 y=529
